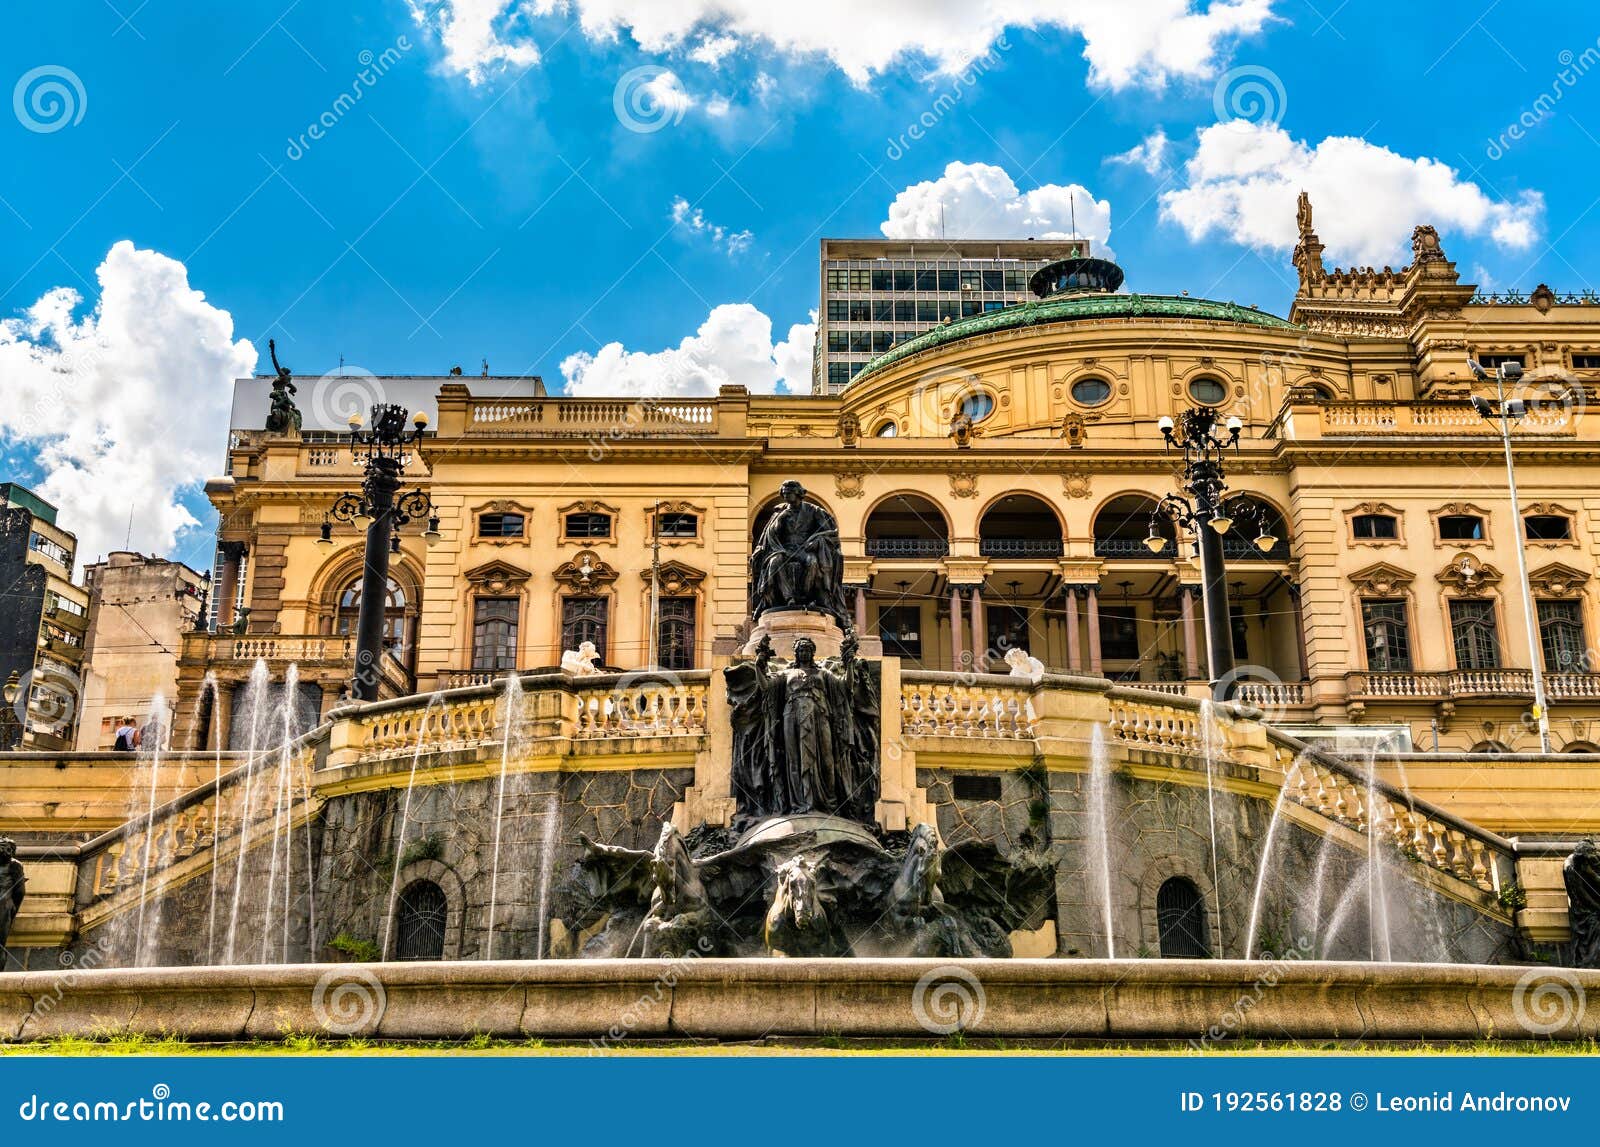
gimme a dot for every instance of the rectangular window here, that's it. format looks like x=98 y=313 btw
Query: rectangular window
x=994 y=281
x=1374 y=526
x=949 y=309
x=949 y=280
x=838 y=311
x=838 y=373
x=1007 y=629
x=1388 y=635
x=861 y=312
x=1547 y=527
x=1561 y=637
x=927 y=311
x=883 y=280
x=1460 y=528
x=993 y=305
x=903 y=280
x=1119 y=634
x=882 y=341
x=900 y=626
x=675 y=644
x=837 y=278
x=927 y=280
x=971 y=280
x=1586 y=362
x=584 y=619
x=861 y=342
x=838 y=340
x=1491 y=361
x=883 y=312
x=971 y=307
x=588 y=525
x=494 y=633
x=1474 y=634
x=1016 y=280
x=500 y=525
x=678 y=525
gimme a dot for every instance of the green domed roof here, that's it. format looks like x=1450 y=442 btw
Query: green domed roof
x=1065 y=308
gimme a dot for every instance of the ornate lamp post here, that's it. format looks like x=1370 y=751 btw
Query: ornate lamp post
x=1208 y=513
x=1504 y=411
x=13 y=687
x=380 y=509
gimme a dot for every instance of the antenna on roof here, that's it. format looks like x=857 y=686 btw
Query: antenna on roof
x=941 y=219
x=1073 y=201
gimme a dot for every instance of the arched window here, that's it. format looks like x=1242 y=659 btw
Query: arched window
x=397 y=620
x=420 y=915
x=1181 y=920
x=1493 y=748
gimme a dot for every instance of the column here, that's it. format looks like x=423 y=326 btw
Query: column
x=1074 y=646
x=1093 y=607
x=980 y=637
x=861 y=610
x=955 y=628
x=1299 y=631
x=1191 y=647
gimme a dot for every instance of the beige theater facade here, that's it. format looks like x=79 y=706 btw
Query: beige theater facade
x=1388 y=604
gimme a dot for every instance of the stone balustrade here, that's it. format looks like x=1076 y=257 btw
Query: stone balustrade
x=646 y=706
x=601 y=418
x=1414 y=828
x=966 y=705
x=246 y=649
x=1452 y=683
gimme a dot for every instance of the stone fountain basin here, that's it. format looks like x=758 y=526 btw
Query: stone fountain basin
x=614 y=1001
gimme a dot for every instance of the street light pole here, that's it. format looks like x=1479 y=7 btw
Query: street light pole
x=1208 y=515
x=383 y=450
x=1503 y=412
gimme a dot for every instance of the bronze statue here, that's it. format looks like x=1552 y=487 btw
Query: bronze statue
x=12 y=881
x=805 y=738
x=797 y=562
x=283 y=414
x=1581 y=874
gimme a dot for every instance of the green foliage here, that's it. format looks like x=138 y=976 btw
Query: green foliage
x=361 y=951
x=1513 y=897
x=430 y=847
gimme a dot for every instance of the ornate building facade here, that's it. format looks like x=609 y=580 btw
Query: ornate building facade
x=994 y=480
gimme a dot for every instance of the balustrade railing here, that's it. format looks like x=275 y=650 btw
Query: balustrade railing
x=954 y=705
x=304 y=649
x=601 y=417
x=907 y=547
x=1429 y=685
x=649 y=707
x=1020 y=547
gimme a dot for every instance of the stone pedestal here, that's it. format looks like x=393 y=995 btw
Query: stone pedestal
x=786 y=626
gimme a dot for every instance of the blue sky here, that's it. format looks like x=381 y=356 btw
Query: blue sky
x=490 y=197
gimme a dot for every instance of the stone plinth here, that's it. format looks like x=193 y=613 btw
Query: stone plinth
x=827 y=829
x=786 y=626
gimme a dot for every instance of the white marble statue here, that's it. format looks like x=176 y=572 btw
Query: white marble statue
x=579 y=662
x=1024 y=665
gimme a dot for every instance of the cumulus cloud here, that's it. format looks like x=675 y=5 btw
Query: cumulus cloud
x=1244 y=177
x=981 y=201
x=125 y=408
x=1149 y=154
x=692 y=221
x=1144 y=44
x=733 y=346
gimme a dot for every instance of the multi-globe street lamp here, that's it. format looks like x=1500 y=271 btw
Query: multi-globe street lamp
x=1505 y=412
x=380 y=509
x=1208 y=513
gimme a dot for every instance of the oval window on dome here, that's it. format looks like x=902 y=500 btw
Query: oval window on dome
x=886 y=430
x=1091 y=391
x=1208 y=391
x=977 y=406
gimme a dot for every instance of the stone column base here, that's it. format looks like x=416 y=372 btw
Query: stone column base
x=785 y=626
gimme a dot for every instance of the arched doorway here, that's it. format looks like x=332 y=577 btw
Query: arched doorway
x=1181 y=920
x=907 y=526
x=1122 y=527
x=1019 y=526
x=420 y=916
x=399 y=618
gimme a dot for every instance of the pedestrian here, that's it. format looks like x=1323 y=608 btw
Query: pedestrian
x=127 y=737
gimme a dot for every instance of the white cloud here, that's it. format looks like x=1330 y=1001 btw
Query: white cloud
x=980 y=201
x=126 y=408
x=733 y=346
x=1244 y=177
x=476 y=36
x=1143 y=44
x=1149 y=154
x=693 y=221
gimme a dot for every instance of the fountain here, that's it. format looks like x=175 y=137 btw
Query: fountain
x=512 y=700
x=1099 y=840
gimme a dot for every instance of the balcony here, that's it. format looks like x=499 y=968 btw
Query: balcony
x=1020 y=547
x=218 y=649
x=1451 y=684
x=907 y=547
